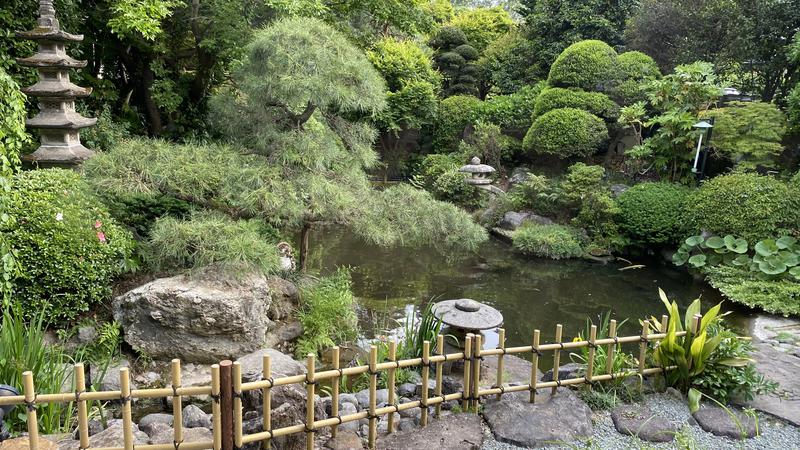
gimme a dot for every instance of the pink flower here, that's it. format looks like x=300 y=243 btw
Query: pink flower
x=98 y=224
x=101 y=236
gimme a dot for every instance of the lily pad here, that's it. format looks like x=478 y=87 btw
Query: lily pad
x=697 y=261
x=741 y=260
x=693 y=241
x=736 y=245
x=715 y=242
x=785 y=242
x=767 y=247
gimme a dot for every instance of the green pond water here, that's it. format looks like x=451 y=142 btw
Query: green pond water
x=531 y=293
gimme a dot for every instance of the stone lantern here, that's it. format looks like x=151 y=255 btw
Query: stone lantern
x=480 y=175
x=465 y=316
x=58 y=123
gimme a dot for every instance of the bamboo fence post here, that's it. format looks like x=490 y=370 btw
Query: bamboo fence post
x=127 y=421
x=226 y=404
x=373 y=386
x=215 y=407
x=438 y=391
x=501 y=345
x=612 y=347
x=664 y=323
x=266 y=396
x=236 y=374
x=310 y=384
x=83 y=413
x=534 y=364
x=592 y=351
x=30 y=403
x=467 y=395
x=696 y=323
x=557 y=359
x=477 y=344
x=392 y=376
x=643 y=351
x=177 y=403
x=335 y=389
x=426 y=357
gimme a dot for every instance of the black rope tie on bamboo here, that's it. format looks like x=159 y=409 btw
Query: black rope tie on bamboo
x=502 y=389
x=272 y=382
x=616 y=340
x=644 y=339
x=78 y=396
x=339 y=418
x=591 y=344
x=312 y=383
x=536 y=352
x=558 y=383
x=215 y=398
x=126 y=400
x=31 y=406
x=235 y=394
x=174 y=391
x=177 y=444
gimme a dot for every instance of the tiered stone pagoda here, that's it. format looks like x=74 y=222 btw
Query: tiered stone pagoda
x=58 y=123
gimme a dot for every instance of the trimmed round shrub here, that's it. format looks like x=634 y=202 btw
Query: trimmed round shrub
x=468 y=52
x=638 y=66
x=67 y=244
x=448 y=37
x=745 y=205
x=653 y=213
x=513 y=111
x=566 y=132
x=455 y=114
x=589 y=65
x=596 y=103
x=548 y=241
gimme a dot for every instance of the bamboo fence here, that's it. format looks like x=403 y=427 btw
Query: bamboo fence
x=227 y=388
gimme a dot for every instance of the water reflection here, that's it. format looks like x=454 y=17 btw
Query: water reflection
x=531 y=293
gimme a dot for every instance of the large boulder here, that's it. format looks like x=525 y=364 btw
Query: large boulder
x=552 y=418
x=201 y=320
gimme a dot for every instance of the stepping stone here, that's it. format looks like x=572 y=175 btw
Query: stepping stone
x=552 y=419
x=719 y=422
x=782 y=368
x=23 y=443
x=639 y=421
x=454 y=432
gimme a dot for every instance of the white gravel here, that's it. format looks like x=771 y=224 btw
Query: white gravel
x=774 y=434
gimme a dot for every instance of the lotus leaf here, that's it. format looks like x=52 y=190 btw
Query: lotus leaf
x=785 y=242
x=697 y=260
x=736 y=245
x=694 y=241
x=715 y=242
x=767 y=247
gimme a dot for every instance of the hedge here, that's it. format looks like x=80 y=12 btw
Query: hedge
x=653 y=213
x=596 y=103
x=590 y=65
x=566 y=132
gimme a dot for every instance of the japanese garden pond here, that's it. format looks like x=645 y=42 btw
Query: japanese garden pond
x=531 y=293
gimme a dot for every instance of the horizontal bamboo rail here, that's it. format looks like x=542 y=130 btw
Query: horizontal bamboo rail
x=469 y=396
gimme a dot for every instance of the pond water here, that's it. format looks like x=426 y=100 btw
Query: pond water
x=531 y=293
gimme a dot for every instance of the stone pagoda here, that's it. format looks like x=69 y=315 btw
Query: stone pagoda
x=58 y=123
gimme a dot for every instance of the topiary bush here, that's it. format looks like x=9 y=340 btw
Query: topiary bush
x=513 y=111
x=456 y=113
x=635 y=69
x=566 y=133
x=596 y=103
x=590 y=65
x=67 y=244
x=653 y=213
x=548 y=241
x=747 y=205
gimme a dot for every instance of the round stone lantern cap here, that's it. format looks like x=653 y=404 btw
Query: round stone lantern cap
x=475 y=166
x=467 y=314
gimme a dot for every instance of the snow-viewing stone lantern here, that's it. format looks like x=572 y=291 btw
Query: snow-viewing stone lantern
x=58 y=123
x=480 y=175
x=465 y=316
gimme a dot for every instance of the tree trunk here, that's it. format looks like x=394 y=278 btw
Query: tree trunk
x=153 y=114
x=304 y=246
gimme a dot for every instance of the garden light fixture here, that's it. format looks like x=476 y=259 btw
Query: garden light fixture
x=5 y=391
x=704 y=126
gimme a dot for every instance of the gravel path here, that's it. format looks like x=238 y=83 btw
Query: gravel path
x=774 y=434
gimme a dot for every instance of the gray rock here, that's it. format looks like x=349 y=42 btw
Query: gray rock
x=406 y=425
x=86 y=334
x=618 y=189
x=783 y=369
x=639 y=421
x=345 y=440
x=513 y=220
x=406 y=390
x=431 y=388
x=720 y=422
x=147 y=422
x=348 y=398
x=197 y=320
x=565 y=372
x=455 y=432
x=94 y=426
x=345 y=410
x=519 y=175
x=559 y=418
x=110 y=380
x=282 y=365
x=381 y=396
x=194 y=417
x=189 y=435
x=113 y=436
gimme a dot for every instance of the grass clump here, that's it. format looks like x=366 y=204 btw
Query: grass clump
x=548 y=241
x=780 y=296
x=327 y=314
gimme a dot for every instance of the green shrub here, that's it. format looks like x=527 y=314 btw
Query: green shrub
x=566 y=133
x=455 y=115
x=140 y=211
x=653 y=213
x=68 y=245
x=636 y=69
x=587 y=194
x=106 y=134
x=538 y=193
x=747 y=205
x=749 y=133
x=774 y=296
x=725 y=383
x=548 y=241
x=590 y=65
x=513 y=111
x=207 y=239
x=596 y=103
x=327 y=314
